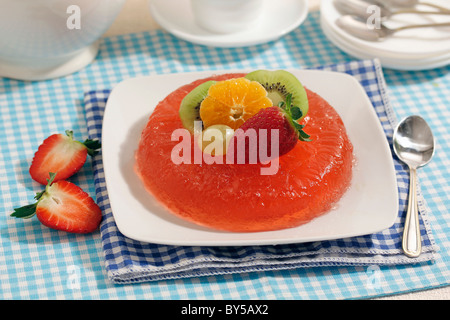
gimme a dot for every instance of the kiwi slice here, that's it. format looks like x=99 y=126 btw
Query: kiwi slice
x=190 y=105
x=279 y=84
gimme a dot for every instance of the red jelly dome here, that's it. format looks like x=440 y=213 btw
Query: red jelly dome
x=235 y=197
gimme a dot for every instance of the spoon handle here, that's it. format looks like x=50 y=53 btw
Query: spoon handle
x=443 y=12
x=426 y=25
x=435 y=6
x=412 y=242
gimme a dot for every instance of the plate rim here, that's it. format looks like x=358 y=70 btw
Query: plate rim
x=202 y=74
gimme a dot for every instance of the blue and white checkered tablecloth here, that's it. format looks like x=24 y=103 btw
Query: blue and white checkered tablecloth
x=39 y=263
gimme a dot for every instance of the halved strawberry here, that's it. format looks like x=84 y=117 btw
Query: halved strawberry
x=63 y=206
x=60 y=153
x=282 y=118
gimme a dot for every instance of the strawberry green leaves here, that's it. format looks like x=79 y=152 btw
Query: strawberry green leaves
x=92 y=146
x=294 y=113
x=25 y=212
x=29 y=211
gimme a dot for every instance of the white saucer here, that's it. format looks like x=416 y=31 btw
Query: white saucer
x=415 y=49
x=278 y=19
x=405 y=63
x=416 y=43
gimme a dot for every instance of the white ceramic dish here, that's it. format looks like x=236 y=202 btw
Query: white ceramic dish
x=414 y=43
x=388 y=62
x=278 y=19
x=46 y=39
x=370 y=205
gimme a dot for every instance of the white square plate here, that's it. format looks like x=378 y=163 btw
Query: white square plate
x=370 y=205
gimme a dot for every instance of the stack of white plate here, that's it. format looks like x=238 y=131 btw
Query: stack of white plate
x=413 y=49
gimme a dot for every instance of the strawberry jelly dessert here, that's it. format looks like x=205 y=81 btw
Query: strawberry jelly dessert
x=310 y=180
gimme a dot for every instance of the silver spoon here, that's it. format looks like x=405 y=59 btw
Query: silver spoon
x=360 y=29
x=409 y=4
x=413 y=143
x=361 y=8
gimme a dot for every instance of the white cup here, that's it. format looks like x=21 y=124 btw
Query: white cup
x=44 y=39
x=226 y=16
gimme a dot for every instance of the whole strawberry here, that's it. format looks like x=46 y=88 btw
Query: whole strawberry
x=288 y=132
x=61 y=153
x=63 y=206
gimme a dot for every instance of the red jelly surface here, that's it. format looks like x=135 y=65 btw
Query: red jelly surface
x=235 y=197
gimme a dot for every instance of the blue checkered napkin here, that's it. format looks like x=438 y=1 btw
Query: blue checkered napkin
x=129 y=261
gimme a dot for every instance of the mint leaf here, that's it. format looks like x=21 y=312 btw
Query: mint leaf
x=298 y=126
x=288 y=102
x=303 y=136
x=296 y=113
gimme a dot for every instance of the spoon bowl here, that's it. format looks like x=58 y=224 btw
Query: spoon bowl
x=413 y=143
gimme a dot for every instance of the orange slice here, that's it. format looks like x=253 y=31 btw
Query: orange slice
x=231 y=102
